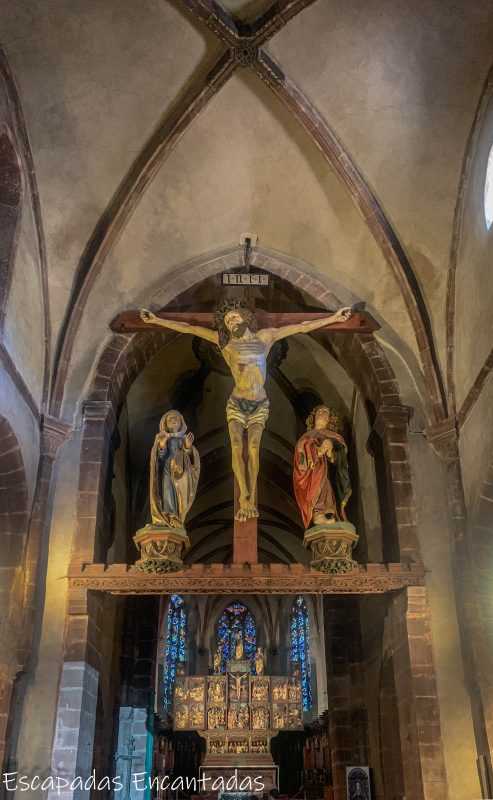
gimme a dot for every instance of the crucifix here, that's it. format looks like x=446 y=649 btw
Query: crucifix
x=245 y=345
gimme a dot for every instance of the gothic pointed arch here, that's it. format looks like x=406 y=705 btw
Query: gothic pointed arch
x=236 y=624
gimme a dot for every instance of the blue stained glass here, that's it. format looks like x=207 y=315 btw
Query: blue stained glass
x=236 y=619
x=175 y=644
x=300 y=648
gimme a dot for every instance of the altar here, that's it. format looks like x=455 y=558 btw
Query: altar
x=238 y=714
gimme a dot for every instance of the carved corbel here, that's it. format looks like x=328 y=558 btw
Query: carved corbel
x=102 y=411
x=444 y=438
x=391 y=417
x=54 y=432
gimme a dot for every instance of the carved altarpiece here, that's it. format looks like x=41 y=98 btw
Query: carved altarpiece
x=238 y=714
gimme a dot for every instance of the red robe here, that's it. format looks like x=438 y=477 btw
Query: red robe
x=312 y=485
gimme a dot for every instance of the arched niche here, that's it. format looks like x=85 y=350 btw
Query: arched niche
x=133 y=366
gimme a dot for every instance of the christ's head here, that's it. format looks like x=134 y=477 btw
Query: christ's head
x=232 y=321
x=236 y=322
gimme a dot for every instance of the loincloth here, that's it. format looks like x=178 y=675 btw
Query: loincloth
x=248 y=412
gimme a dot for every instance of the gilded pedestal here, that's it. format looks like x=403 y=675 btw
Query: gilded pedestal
x=331 y=545
x=161 y=548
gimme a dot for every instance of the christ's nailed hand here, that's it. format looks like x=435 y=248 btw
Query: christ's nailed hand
x=147 y=316
x=343 y=314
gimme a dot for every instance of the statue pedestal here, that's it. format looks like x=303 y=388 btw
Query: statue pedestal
x=331 y=545
x=161 y=548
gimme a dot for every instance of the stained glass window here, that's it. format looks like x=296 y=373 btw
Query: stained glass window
x=300 y=648
x=175 y=644
x=236 y=621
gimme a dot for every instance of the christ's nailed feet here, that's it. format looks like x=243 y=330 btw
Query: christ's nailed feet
x=246 y=511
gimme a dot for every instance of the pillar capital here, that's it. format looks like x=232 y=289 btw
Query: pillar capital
x=391 y=417
x=98 y=410
x=102 y=411
x=444 y=438
x=54 y=432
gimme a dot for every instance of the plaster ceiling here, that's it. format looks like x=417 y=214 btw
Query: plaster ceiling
x=397 y=81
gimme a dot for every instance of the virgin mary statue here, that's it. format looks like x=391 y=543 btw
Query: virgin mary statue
x=321 y=474
x=174 y=472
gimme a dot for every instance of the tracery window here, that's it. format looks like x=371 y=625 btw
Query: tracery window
x=236 y=622
x=300 y=648
x=175 y=643
x=488 y=191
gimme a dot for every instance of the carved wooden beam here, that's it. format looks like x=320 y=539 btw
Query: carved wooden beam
x=130 y=321
x=245 y=578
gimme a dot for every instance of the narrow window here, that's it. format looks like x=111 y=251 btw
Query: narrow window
x=175 y=644
x=236 y=623
x=300 y=648
x=488 y=191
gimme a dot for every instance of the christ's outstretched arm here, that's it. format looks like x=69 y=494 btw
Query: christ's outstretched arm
x=271 y=335
x=181 y=327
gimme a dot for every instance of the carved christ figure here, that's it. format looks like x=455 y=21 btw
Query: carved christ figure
x=245 y=350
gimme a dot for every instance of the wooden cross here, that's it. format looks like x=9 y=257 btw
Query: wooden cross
x=359 y=322
x=245 y=533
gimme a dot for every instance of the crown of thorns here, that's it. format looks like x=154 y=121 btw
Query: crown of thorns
x=226 y=306
x=332 y=423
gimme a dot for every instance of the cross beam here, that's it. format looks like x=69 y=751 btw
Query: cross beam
x=130 y=321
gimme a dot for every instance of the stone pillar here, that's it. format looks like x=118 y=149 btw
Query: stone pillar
x=347 y=724
x=9 y=667
x=99 y=441
x=72 y=754
x=131 y=751
x=27 y=589
x=391 y=426
x=481 y=544
x=417 y=701
x=137 y=668
x=54 y=433
x=445 y=440
x=391 y=781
